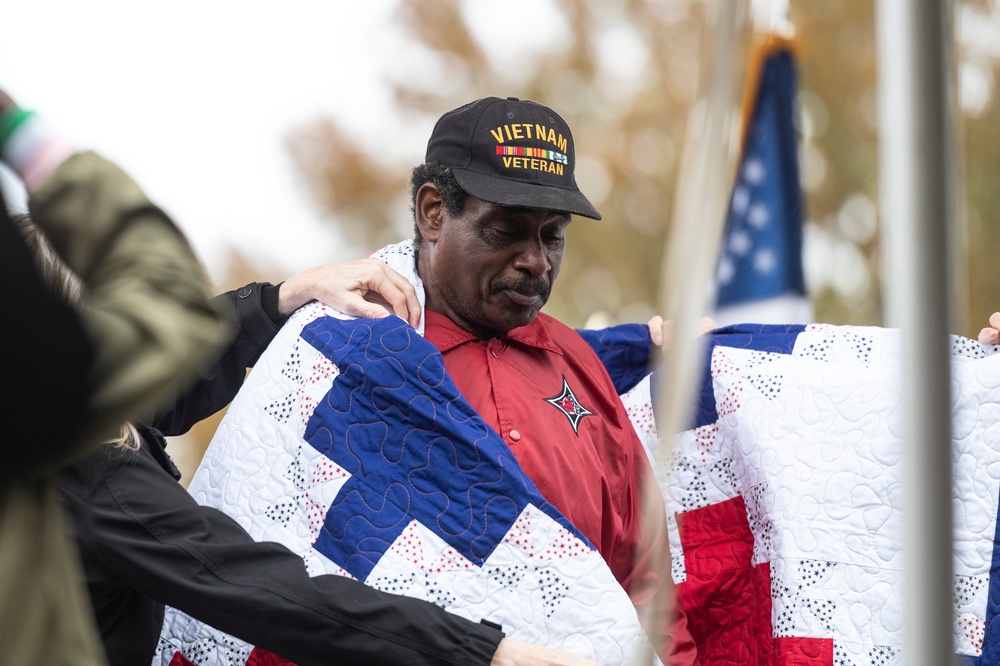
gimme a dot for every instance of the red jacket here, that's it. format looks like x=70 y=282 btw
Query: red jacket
x=546 y=393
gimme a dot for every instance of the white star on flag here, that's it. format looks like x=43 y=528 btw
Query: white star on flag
x=759 y=275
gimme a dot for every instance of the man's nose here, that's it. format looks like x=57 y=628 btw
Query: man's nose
x=532 y=258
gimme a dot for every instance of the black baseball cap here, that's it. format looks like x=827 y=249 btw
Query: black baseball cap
x=512 y=152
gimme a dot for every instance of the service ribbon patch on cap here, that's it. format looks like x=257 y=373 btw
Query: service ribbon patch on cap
x=533 y=152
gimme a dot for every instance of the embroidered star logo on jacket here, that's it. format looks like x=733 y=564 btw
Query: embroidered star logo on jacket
x=567 y=403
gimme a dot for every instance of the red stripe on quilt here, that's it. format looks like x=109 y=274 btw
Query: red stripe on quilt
x=726 y=598
x=261 y=657
x=800 y=651
x=180 y=660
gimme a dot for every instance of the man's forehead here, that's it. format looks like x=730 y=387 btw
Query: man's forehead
x=545 y=214
x=515 y=212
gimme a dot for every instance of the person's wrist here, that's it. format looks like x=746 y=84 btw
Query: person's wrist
x=291 y=295
x=269 y=302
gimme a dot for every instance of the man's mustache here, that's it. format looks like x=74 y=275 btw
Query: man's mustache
x=527 y=285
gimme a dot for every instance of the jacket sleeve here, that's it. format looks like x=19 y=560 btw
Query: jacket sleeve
x=255 y=319
x=148 y=311
x=154 y=535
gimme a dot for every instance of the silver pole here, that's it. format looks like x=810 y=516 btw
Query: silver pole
x=701 y=197
x=915 y=210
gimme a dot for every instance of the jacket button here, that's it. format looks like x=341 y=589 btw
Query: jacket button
x=515 y=436
x=245 y=292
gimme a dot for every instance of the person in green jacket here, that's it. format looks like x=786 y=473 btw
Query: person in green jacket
x=147 y=328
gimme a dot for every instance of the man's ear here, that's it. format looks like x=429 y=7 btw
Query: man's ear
x=429 y=208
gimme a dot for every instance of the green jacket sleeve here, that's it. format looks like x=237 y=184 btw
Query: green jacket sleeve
x=148 y=310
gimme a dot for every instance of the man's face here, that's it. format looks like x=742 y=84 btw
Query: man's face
x=490 y=268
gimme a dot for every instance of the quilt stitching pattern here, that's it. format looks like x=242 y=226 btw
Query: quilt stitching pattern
x=375 y=468
x=807 y=423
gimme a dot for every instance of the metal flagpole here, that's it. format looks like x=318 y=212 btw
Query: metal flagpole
x=701 y=195
x=703 y=183
x=914 y=171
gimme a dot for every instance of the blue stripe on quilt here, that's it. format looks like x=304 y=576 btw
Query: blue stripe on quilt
x=395 y=418
x=991 y=639
x=624 y=350
x=775 y=338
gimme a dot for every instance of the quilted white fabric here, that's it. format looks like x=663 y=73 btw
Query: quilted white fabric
x=342 y=443
x=809 y=442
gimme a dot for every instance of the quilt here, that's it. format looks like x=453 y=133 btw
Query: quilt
x=784 y=497
x=350 y=445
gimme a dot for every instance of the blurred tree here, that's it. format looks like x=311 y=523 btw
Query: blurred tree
x=840 y=153
x=978 y=52
x=625 y=74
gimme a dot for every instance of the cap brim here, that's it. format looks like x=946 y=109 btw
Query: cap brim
x=529 y=195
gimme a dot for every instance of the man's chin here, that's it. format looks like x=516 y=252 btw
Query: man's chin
x=516 y=318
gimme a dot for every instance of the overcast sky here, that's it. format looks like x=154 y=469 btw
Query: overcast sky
x=194 y=99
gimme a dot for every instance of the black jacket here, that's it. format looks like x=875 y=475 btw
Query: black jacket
x=43 y=345
x=145 y=542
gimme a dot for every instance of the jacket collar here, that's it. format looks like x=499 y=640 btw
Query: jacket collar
x=446 y=334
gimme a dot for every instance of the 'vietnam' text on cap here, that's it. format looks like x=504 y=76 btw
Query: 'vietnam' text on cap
x=511 y=152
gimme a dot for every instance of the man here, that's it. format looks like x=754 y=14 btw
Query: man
x=350 y=444
x=491 y=206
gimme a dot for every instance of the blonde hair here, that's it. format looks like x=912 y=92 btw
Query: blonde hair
x=54 y=270
x=67 y=285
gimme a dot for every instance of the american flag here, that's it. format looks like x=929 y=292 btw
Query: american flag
x=759 y=276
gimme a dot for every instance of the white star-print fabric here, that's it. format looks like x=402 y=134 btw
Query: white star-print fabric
x=785 y=505
x=351 y=446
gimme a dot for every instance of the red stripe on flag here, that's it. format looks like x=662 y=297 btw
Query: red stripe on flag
x=180 y=660
x=726 y=598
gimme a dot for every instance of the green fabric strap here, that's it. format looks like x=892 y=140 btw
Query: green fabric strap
x=10 y=121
